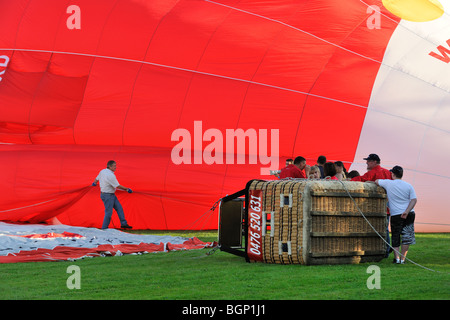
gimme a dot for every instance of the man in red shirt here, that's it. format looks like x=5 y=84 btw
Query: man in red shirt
x=374 y=170
x=295 y=170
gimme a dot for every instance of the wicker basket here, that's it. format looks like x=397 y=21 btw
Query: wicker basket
x=315 y=222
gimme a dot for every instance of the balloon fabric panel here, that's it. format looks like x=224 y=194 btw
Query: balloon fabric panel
x=144 y=82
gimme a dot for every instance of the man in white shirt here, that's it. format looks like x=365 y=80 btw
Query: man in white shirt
x=401 y=201
x=108 y=186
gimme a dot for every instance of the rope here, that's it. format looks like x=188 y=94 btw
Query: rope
x=362 y=214
x=210 y=211
x=47 y=201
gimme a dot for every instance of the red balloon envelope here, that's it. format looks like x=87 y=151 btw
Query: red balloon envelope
x=194 y=98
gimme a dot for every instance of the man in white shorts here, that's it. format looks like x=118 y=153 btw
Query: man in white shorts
x=401 y=201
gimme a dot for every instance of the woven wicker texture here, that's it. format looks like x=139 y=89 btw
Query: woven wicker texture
x=316 y=221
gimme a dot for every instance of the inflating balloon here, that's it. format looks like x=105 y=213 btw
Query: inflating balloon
x=193 y=98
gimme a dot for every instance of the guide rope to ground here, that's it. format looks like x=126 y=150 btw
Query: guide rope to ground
x=381 y=237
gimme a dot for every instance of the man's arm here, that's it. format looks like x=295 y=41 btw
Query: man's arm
x=411 y=205
x=368 y=176
x=124 y=188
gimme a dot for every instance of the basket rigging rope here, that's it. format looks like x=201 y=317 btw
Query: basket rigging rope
x=362 y=214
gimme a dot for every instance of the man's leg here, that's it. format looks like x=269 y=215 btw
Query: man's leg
x=388 y=238
x=396 y=229
x=405 y=248
x=108 y=201
x=119 y=210
x=408 y=234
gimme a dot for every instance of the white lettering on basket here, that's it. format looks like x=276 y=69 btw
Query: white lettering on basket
x=254 y=225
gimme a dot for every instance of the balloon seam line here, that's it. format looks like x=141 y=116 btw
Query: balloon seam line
x=193 y=71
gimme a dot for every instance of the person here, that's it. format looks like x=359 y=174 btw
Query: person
x=108 y=186
x=352 y=174
x=401 y=201
x=321 y=160
x=276 y=173
x=330 y=171
x=341 y=172
x=295 y=170
x=374 y=170
x=314 y=172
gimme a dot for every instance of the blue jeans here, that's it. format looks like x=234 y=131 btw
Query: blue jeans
x=388 y=238
x=110 y=201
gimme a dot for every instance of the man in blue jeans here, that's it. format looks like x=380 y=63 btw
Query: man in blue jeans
x=108 y=186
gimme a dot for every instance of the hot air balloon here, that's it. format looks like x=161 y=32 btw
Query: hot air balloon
x=193 y=98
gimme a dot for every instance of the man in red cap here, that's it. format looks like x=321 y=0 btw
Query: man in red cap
x=374 y=170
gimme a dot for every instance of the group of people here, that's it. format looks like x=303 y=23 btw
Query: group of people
x=321 y=170
x=401 y=194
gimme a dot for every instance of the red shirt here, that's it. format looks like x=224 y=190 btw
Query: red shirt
x=376 y=173
x=292 y=171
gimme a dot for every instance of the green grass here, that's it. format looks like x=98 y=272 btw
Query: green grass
x=193 y=275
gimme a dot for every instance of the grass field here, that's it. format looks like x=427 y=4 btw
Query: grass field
x=194 y=275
